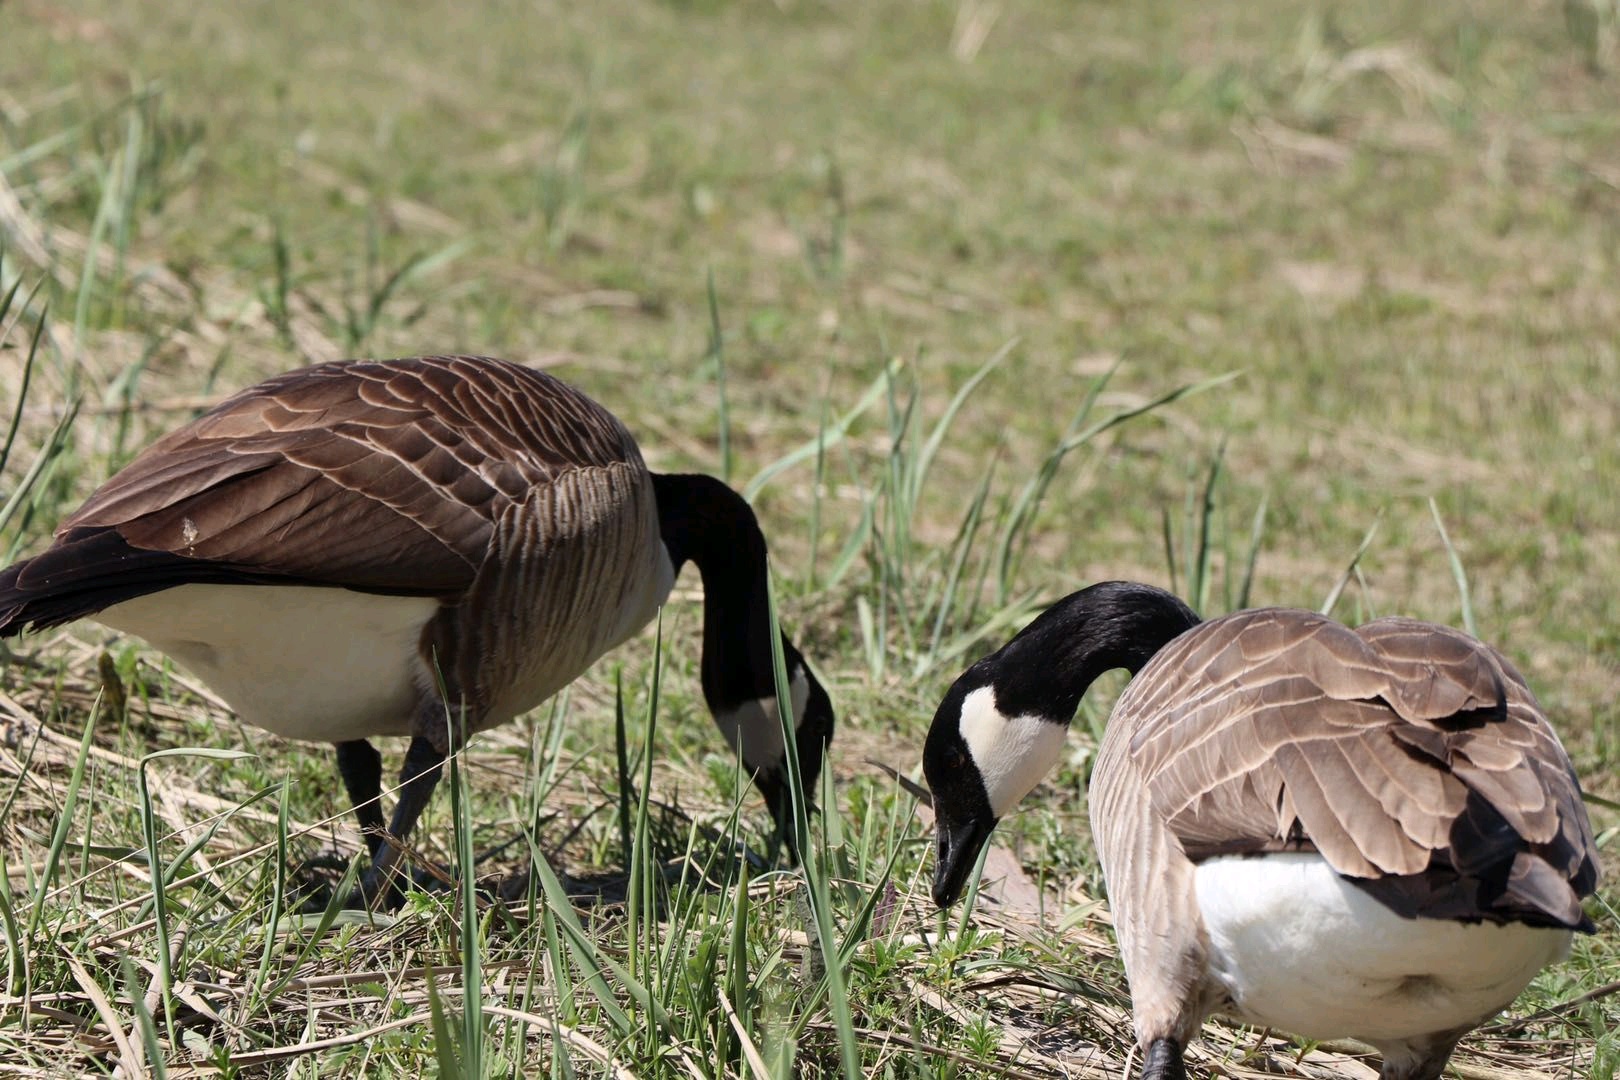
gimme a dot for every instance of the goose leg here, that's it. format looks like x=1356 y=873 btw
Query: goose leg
x=424 y=763
x=361 y=768
x=1163 y=1061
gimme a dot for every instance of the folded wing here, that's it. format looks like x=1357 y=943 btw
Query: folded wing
x=1411 y=756
x=386 y=477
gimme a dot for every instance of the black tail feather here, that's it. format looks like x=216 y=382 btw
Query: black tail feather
x=90 y=569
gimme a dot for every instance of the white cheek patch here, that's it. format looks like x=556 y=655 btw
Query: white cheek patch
x=1012 y=753
x=754 y=728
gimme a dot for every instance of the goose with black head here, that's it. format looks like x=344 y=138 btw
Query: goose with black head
x=425 y=547
x=1371 y=832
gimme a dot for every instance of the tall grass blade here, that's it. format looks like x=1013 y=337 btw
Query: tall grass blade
x=416 y=266
x=717 y=355
x=27 y=372
x=854 y=543
x=1015 y=533
x=47 y=456
x=445 y=1051
x=1167 y=538
x=145 y=1021
x=40 y=150
x=970 y=899
x=1199 y=571
x=472 y=948
x=819 y=894
x=11 y=929
x=1457 y=572
x=930 y=447
x=44 y=461
x=622 y=762
x=328 y=918
x=817 y=487
x=826 y=438
x=105 y=211
x=1349 y=571
x=591 y=962
x=278 y=300
x=1256 y=534
x=276 y=897
x=642 y=894
x=64 y=821
x=160 y=905
x=961 y=548
x=741 y=992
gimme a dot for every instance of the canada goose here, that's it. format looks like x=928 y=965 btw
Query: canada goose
x=1335 y=832
x=381 y=547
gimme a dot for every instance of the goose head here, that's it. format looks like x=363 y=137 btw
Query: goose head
x=982 y=757
x=705 y=522
x=754 y=730
x=1001 y=726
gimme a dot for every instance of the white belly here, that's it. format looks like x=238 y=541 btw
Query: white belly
x=308 y=663
x=1297 y=947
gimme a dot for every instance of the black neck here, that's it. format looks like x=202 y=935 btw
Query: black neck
x=1048 y=667
x=705 y=522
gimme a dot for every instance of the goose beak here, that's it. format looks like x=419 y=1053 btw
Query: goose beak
x=958 y=847
x=772 y=783
x=815 y=729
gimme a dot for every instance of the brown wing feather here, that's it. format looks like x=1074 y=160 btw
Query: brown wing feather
x=387 y=476
x=1410 y=755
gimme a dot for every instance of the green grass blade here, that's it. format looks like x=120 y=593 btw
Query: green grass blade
x=1458 y=574
x=277 y=896
x=820 y=895
x=1168 y=540
x=961 y=548
x=17 y=953
x=1198 y=590
x=1016 y=530
x=717 y=355
x=824 y=439
x=160 y=907
x=445 y=1051
x=472 y=947
x=55 y=443
x=70 y=802
x=641 y=907
x=592 y=965
x=1256 y=534
x=818 y=485
x=741 y=992
x=925 y=456
x=1349 y=571
x=145 y=1022
x=27 y=372
x=622 y=761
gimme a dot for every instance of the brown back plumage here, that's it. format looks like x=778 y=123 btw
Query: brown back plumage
x=382 y=476
x=1411 y=756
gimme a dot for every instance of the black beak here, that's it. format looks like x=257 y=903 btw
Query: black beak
x=959 y=844
x=779 y=797
x=815 y=731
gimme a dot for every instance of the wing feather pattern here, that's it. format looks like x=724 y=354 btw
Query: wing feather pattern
x=1411 y=756
x=387 y=476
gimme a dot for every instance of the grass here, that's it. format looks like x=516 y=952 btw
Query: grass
x=950 y=289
